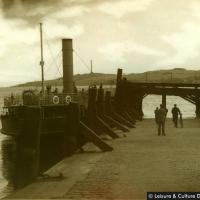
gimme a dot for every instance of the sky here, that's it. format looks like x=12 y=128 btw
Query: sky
x=136 y=35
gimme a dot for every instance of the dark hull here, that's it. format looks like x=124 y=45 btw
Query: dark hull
x=50 y=126
x=43 y=134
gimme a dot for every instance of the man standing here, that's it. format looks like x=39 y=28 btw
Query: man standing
x=175 y=112
x=161 y=116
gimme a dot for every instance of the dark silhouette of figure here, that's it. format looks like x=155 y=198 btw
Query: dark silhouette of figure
x=56 y=91
x=175 y=112
x=75 y=88
x=166 y=111
x=12 y=99
x=48 y=89
x=181 y=120
x=156 y=115
x=161 y=116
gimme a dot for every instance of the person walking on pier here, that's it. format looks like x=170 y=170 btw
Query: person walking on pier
x=175 y=112
x=181 y=120
x=161 y=116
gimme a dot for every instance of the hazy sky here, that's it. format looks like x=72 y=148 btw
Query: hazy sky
x=137 y=35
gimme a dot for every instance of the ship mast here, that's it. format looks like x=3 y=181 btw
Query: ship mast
x=42 y=59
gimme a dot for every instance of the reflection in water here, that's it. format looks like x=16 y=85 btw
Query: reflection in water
x=16 y=171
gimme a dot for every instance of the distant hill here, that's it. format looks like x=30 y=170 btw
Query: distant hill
x=177 y=75
x=79 y=79
x=174 y=75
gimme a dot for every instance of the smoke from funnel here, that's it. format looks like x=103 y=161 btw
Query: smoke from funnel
x=30 y=10
x=7 y=4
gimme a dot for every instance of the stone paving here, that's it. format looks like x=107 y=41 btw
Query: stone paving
x=140 y=162
x=145 y=162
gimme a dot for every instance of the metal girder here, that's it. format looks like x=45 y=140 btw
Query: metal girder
x=191 y=85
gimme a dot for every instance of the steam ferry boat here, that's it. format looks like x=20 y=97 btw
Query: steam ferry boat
x=51 y=117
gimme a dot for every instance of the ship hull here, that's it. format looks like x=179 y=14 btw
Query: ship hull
x=56 y=122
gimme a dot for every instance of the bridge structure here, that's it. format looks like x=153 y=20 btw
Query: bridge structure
x=129 y=95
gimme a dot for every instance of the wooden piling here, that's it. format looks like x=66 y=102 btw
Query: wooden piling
x=115 y=123
x=108 y=113
x=164 y=100
x=106 y=128
x=92 y=109
x=197 y=104
x=119 y=76
x=100 y=101
x=108 y=104
x=91 y=135
x=122 y=120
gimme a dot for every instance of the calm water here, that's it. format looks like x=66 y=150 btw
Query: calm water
x=7 y=157
x=153 y=101
x=7 y=150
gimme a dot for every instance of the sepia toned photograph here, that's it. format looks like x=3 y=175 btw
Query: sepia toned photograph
x=100 y=99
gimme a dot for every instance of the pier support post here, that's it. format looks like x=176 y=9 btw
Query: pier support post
x=91 y=135
x=139 y=109
x=92 y=110
x=164 y=100
x=107 y=102
x=119 y=75
x=93 y=126
x=197 y=103
x=100 y=101
x=100 y=120
x=108 y=113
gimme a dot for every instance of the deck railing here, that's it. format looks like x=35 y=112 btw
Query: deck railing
x=47 y=99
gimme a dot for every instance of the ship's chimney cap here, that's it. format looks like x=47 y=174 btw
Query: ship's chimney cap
x=67 y=39
x=67 y=43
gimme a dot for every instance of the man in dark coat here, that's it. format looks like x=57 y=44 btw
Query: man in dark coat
x=175 y=112
x=161 y=116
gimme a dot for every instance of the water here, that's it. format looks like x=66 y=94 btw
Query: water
x=7 y=165
x=152 y=101
x=7 y=150
x=6 y=159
